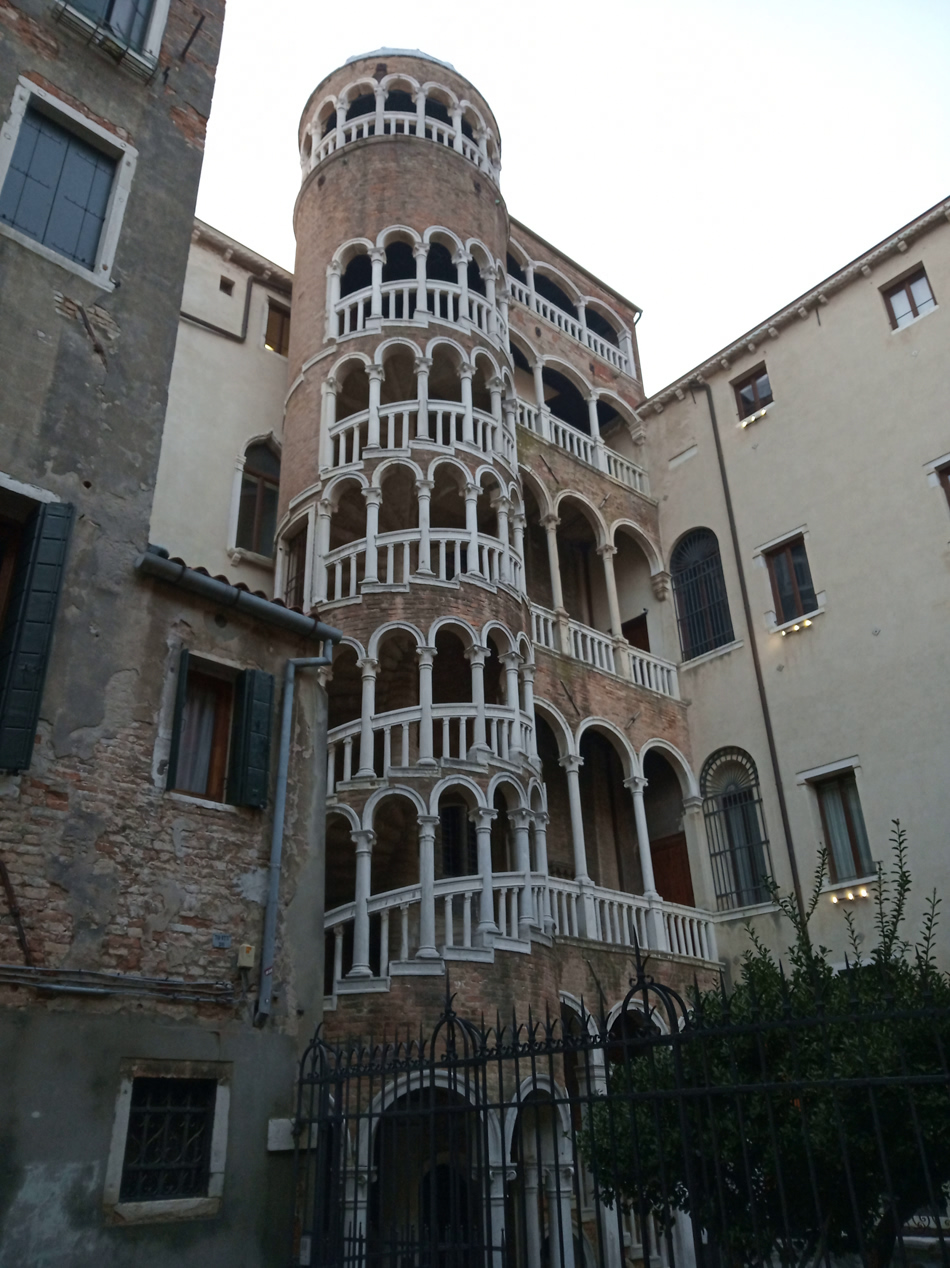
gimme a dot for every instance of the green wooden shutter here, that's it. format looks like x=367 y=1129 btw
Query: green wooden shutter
x=28 y=630
x=250 y=738
x=181 y=693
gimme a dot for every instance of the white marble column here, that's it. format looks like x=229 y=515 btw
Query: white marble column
x=520 y=821
x=373 y=497
x=363 y=840
x=327 y=423
x=375 y=374
x=422 y=367
x=550 y=524
x=380 y=108
x=341 y=109
x=621 y=646
x=425 y=655
x=369 y=669
x=460 y=259
x=471 y=527
x=560 y=1228
x=488 y=277
x=541 y=819
x=475 y=656
x=377 y=258
x=527 y=680
x=572 y=765
x=538 y=371
x=600 y=449
x=482 y=819
x=420 y=252
x=637 y=784
x=456 y=115
x=530 y=1177
x=324 y=515
x=626 y=347
x=427 y=948
x=334 y=274
x=468 y=416
x=495 y=388
x=424 y=493
x=420 y=113
x=502 y=507
x=517 y=526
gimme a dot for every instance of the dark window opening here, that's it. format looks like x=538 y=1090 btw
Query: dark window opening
x=436 y=110
x=476 y=282
x=601 y=326
x=754 y=392
x=735 y=828
x=519 y=358
x=459 y=842
x=204 y=732
x=467 y=129
x=909 y=299
x=226 y=286
x=552 y=292
x=57 y=189
x=277 y=337
x=295 y=570
x=636 y=632
x=846 y=839
x=257 y=512
x=943 y=475
x=515 y=269
x=564 y=400
x=168 y=1146
x=400 y=101
x=357 y=276
x=607 y=416
x=791 y=581
x=400 y=265
x=699 y=588
x=329 y=124
x=363 y=105
x=439 y=266
x=128 y=19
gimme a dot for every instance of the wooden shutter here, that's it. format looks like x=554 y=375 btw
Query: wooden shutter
x=250 y=738
x=181 y=694
x=28 y=630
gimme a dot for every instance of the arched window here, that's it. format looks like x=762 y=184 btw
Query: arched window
x=735 y=828
x=257 y=513
x=702 y=609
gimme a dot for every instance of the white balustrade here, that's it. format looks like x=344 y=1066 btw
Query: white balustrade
x=544 y=628
x=445 y=301
x=577 y=443
x=570 y=325
x=399 y=123
x=623 y=920
x=597 y=649
x=398 y=427
x=625 y=471
x=592 y=647
x=344 y=569
x=654 y=674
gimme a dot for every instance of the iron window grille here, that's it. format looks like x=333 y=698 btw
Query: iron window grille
x=909 y=299
x=699 y=588
x=846 y=838
x=753 y=392
x=57 y=189
x=126 y=20
x=735 y=829
x=790 y=575
x=168 y=1146
x=257 y=512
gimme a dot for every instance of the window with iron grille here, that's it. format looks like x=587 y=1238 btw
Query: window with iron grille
x=846 y=838
x=699 y=588
x=168 y=1146
x=257 y=512
x=735 y=829
x=909 y=299
x=753 y=392
x=792 y=586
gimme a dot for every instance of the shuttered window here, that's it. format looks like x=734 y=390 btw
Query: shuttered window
x=57 y=189
x=35 y=580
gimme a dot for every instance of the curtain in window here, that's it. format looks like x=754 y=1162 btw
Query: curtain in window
x=197 y=737
x=844 y=825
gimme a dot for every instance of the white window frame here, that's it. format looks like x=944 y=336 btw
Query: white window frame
x=171 y=1208
x=238 y=554
x=760 y=561
x=808 y=780
x=145 y=58
x=124 y=154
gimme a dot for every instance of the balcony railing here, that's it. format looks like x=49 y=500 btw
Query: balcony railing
x=600 y=651
x=445 y=301
x=397 y=123
x=583 y=447
x=616 y=356
x=399 y=426
x=568 y=908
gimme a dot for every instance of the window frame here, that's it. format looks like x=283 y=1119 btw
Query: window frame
x=725 y=853
x=903 y=283
x=143 y=59
x=751 y=379
x=770 y=554
x=290 y=549
x=861 y=872
x=273 y=307
x=245 y=470
x=699 y=584
x=27 y=94
x=149 y=1211
x=943 y=478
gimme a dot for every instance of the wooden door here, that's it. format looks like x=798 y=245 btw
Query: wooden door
x=671 y=869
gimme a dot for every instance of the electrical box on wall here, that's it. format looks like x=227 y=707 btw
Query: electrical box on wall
x=246 y=955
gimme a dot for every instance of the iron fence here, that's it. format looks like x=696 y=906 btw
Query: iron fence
x=655 y=1133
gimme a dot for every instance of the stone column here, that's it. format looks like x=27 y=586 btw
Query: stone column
x=420 y=252
x=425 y=655
x=471 y=527
x=560 y=1229
x=520 y=821
x=495 y=388
x=424 y=492
x=518 y=524
x=327 y=423
x=457 y=125
x=427 y=948
x=529 y=1181
x=380 y=108
x=581 y=307
x=334 y=273
x=538 y=371
x=422 y=367
x=341 y=109
x=621 y=647
x=502 y=507
x=527 y=679
x=475 y=655
x=541 y=818
x=363 y=840
x=550 y=523
x=626 y=347
x=375 y=374
x=637 y=784
x=488 y=277
x=600 y=449
x=367 y=768
x=324 y=514
x=420 y=113
x=572 y=765
x=482 y=819
x=373 y=498
x=468 y=418
x=377 y=259
x=460 y=259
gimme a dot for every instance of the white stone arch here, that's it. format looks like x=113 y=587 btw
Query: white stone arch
x=558 y=724
x=577 y=1006
x=350 y=93
x=610 y=315
x=456 y=781
x=438 y=341
x=392 y=790
x=346 y=812
x=348 y=641
x=615 y=401
x=505 y=779
x=346 y=251
x=689 y=785
x=520 y=254
x=569 y=371
x=508 y=382
x=635 y=530
x=572 y=291
x=481 y=352
x=535 y=786
x=343 y=361
x=378 y=634
x=480 y=253
x=514 y=495
x=525 y=648
x=528 y=349
x=447 y=460
x=432 y=86
x=467 y=104
x=493 y=624
x=399 y=77
x=377 y=481
x=656 y=1015
x=443 y=232
x=595 y=519
x=529 y=479
x=395 y=341
x=552 y=1094
x=335 y=485
x=459 y=623
x=627 y=753
x=387 y=235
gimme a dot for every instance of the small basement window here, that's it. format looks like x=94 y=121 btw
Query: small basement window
x=277 y=336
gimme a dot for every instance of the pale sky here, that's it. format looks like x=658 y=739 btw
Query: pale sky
x=709 y=159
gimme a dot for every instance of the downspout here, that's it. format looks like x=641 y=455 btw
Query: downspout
x=280 y=802
x=760 y=681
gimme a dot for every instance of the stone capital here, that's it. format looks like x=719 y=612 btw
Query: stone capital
x=660 y=581
x=472 y=490
x=363 y=839
x=636 y=783
x=476 y=654
x=511 y=660
x=428 y=823
x=692 y=805
x=420 y=248
x=550 y=522
x=377 y=255
x=607 y=551
x=541 y=819
x=461 y=257
x=482 y=817
x=325 y=507
x=425 y=655
x=372 y=495
x=422 y=365
x=369 y=666
x=375 y=373
x=424 y=487
x=335 y=268
x=466 y=371
x=330 y=385
x=520 y=818
x=571 y=762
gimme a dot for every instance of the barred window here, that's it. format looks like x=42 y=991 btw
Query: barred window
x=699 y=588
x=168 y=1146
x=735 y=828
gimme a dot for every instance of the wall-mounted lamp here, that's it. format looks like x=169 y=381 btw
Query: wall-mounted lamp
x=753 y=418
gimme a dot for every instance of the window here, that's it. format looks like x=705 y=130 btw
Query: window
x=296 y=566
x=849 y=854
x=126 y=19
x=257 y=513
x=64 y=183
x=699 y=588
x=57 y=189
x=169 y=1141
x=753 y=392
x=792 y=587
x=943 y=475
x=220 y=746
x=909 y=299
x=226 y=286
x=735 y=828
x=277 y=337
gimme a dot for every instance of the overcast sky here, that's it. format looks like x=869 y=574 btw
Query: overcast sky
x=709 y=159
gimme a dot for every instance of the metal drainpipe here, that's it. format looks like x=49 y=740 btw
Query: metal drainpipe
x=760 y=681
x=280 y=800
